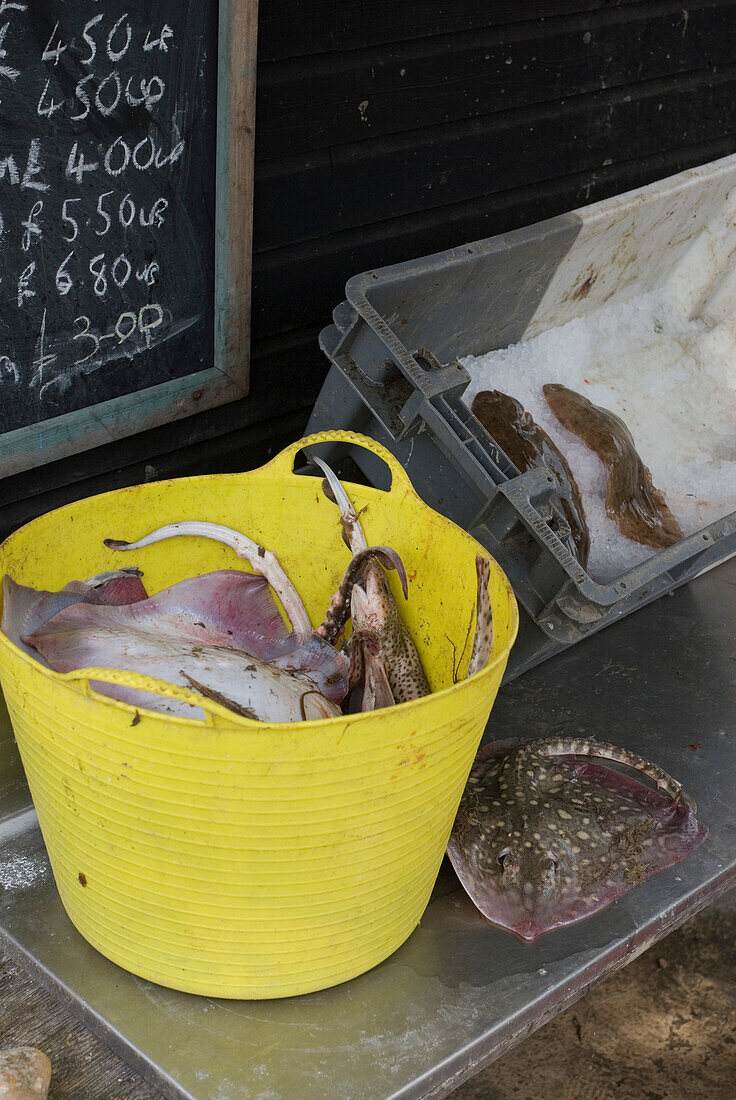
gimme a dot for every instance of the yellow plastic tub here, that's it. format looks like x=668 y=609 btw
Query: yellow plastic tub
x=232 y=858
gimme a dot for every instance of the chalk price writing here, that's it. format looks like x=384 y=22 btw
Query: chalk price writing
x=8 y=71
x=120 y=35
x=126 y=213
x=103 y=271
x=142 y=322
x=107 y=96
x=123 y=213
x=85 y=229
x=108 y=91
x=148 y=318
x=119 y=155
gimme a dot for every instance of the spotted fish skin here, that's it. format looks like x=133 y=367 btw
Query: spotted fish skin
x=543 y=839
x=528 y=446
x=376 y=616
x=580 y=746
x=633 y=503
x=483 y=640
x=377 y=622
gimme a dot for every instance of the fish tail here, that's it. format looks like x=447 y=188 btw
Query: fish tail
x=575 y=746
x=348 y=516
x=483 y=640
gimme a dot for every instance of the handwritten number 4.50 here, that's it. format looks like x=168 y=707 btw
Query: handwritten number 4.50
x=145 y=321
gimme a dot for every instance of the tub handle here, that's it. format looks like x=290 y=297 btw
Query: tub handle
x=213 y=711
x=399 y=477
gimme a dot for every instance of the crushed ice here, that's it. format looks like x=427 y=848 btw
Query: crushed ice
x=672 y=381
x=20 y=871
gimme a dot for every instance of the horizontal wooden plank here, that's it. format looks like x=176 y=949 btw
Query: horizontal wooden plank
x=287 y=373
x=294 y=286
x=312 y=103
x=224 y=453
x=301 y=199
x=295 y=28
x=82 y=1065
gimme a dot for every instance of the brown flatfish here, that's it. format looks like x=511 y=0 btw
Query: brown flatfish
x=528 y=445
x=547 y=833
x=637 y=508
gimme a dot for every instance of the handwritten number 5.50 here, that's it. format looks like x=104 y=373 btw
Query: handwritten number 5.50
x=66 y=217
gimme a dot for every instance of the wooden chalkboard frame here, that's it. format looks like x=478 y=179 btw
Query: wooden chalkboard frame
x=228 y=378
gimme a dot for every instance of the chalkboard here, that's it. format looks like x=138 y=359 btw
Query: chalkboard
x=126 y=136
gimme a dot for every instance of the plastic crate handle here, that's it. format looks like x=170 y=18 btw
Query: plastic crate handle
x=399 y=478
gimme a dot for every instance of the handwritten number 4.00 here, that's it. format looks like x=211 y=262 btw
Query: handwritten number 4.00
x=148 y=318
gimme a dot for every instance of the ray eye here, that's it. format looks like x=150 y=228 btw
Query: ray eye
x=503 y=857
x=553 y=863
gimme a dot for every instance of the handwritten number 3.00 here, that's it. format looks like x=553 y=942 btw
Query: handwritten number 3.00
x=85 y=334
x=148 y=318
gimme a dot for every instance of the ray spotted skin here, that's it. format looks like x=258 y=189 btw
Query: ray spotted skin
x=633 y=503
x=544 y=838
x=604 y=750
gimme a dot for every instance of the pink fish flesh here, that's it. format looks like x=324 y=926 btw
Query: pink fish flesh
x=228 y=609
x=26 y=609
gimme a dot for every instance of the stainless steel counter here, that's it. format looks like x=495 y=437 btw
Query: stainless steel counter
x=459 y=992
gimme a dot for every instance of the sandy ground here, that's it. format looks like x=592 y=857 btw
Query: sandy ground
x=663 y=1028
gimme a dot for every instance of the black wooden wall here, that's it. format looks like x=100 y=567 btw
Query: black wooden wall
x=387 y=130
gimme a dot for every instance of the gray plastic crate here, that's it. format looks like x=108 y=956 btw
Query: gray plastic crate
x=392 y=348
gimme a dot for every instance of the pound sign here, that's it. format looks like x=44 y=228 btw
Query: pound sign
x=31 y=226
x=23 y=290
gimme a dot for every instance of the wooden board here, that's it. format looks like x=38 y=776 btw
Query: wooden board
x=344 y=205
x=82 y=1067
x=353 y=24
x=356 y=184
x=126 y=157
x=362 y=95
